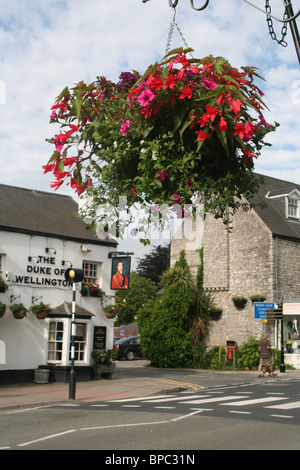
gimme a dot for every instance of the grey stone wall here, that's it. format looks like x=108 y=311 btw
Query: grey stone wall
x=237 y=263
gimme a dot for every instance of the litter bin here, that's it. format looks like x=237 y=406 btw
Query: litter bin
x=41 y=376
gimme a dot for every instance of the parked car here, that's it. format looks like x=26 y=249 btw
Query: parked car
x=116 y=339
x=129 y=348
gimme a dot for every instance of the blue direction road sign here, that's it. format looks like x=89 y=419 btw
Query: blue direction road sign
x=260 y=309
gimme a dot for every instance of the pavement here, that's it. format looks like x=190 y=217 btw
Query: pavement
x=35 y=395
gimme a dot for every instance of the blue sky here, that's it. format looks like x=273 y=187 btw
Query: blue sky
x=48 y=44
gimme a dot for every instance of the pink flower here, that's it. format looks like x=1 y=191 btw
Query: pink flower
x=133 y=190
x=145 y=97
x=189 y=184
x=125 y=127
x=155 y=208
x=174 y=199
x=53 y=115
x=209 y=83
x=162 y=175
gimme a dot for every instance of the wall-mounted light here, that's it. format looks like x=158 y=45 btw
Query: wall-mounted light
x=64 y=262
x=85 y=249
x=47 y=250
x=30 y=258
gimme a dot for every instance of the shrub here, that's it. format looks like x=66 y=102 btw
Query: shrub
x=247 y=355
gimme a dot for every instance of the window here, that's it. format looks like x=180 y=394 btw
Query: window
x=55 y=341
x=80 y=342
x=293 y=207
x=90 y=272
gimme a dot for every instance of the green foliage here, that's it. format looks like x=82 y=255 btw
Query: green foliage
x=247 y=355
x=130 y=301
x=104 y=356
x=164 y=331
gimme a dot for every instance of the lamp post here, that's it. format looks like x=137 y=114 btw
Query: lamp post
x=279 y=309
x=73 y=275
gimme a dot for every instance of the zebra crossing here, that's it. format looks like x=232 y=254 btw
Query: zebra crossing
x=261 y=403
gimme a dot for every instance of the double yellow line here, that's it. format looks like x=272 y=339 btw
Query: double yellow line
x=186 y=384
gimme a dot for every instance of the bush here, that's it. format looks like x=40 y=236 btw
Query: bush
x=164 y=329
x=247 y=355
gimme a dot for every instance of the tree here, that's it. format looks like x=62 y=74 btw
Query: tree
x=155 y=263
x=129 y=302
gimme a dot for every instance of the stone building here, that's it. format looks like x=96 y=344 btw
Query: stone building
x=260 y=255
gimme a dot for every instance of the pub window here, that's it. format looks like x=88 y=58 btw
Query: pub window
x=55 y=341
x=91 y=272
x=80 y=343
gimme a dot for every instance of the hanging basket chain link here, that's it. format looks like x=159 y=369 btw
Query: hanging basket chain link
x=272 y=33
x=171 y=31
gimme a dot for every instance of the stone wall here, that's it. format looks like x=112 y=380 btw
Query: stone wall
x=237 y=263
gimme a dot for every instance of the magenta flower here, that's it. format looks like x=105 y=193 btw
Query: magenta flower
x=174 y=199
x=125 y=127
x=162 y=175
x=133 y=190
x=209 y=83
x=145 y=97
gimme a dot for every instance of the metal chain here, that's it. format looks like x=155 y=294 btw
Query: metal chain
x=171 y=31
x=272 y=33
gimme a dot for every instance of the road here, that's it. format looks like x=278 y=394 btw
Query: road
x=211 y=412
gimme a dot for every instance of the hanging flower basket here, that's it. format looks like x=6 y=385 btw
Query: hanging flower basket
x=2 y=309
x=110 y=311
x=186 y=128
x=40 y=310
x=239 y=302
x=18 y=311
x=257 y=298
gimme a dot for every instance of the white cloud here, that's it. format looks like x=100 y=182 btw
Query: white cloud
x=46 y=45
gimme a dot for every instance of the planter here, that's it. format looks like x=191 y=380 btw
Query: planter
x=18 y=315
x=2 y=312
x=240 y=303
x=2 y=288
x=110 y=314
x=104 y=371
x=41 y=376
x=41 y=315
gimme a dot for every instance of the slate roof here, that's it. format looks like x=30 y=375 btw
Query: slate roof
x=274 y=215
x=45 y=214
x=65 y=310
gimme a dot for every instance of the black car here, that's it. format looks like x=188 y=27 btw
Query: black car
x=128 y=347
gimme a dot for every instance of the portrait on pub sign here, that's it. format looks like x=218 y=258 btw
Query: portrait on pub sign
x=120 y=273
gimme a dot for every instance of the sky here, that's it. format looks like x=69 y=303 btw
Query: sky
x=49 y=44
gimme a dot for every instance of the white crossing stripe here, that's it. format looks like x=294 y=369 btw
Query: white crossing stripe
x=120 y=400
x=157 y=400
x=286 y=406
x=253 y=402
x=209 y=400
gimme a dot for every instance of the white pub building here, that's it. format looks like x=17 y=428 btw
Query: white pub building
x=40 y=238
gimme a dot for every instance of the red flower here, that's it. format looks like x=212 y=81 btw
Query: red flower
x=186 y=92
x=202 y=135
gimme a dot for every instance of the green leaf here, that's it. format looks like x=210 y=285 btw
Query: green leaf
x=77 y=103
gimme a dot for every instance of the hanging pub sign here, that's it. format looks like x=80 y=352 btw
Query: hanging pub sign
x=120 y=272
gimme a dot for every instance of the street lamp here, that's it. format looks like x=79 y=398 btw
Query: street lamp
x=73 y=275
x=279 y=309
